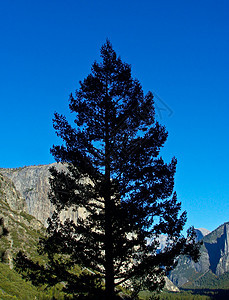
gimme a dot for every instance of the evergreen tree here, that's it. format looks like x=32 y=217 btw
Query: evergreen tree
x=117 y=178
x=3 y=230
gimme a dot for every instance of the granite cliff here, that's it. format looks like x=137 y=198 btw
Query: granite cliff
x=23 y=229
x=213 y=263
x=216 y=245
x=24 y=200
x=24 y=209
x=32 y=183
x=10 y=195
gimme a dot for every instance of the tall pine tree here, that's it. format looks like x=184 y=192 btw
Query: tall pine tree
x=117 y=178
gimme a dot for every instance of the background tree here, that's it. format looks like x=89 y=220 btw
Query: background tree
x=3 y=230
x=126 y=190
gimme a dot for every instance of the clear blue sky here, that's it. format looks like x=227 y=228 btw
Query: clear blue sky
x=177 y=49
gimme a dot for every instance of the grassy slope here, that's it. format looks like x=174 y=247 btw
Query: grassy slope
x=12 y=286
x=24 y=236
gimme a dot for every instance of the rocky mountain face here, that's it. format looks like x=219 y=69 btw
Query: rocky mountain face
x=24 y=202
x=10 y=195
x=216 y=245
x=214 y=258
x=201 y=232
x=32 y=183
x=23 y=229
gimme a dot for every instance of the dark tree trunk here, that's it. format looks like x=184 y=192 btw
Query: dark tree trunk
x=109 y=276
x=109 y=264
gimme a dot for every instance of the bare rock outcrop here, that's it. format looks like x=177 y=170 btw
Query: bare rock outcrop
x=214 y=259
x=32 y=183
x=10 y=195
x=18 y=229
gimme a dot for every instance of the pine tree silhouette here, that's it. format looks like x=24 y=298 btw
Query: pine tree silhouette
x=116 y=176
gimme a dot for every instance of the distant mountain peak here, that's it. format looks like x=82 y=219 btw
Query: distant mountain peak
x=214 y=260
x=201 y=232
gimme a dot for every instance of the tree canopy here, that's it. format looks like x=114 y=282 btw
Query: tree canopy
x=3 y=230
x=122 y=187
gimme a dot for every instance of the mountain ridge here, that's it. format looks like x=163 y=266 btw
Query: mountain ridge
x=24 y=232
x=24 y=191
x=214 y=259
x=201 y=232
x=32 y=182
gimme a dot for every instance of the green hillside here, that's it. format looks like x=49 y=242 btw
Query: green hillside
x=12 y=286
x=24 y=230
x=209 y=281
x=24 y=233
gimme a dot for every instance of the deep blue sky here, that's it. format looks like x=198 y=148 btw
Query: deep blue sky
x=177 y=49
